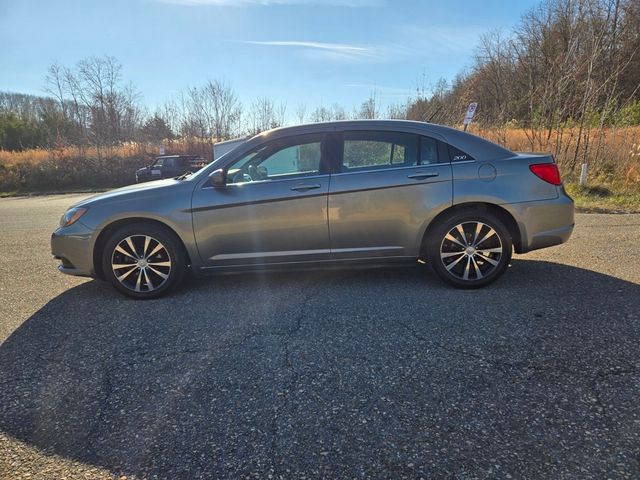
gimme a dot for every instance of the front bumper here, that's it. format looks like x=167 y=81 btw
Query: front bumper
x=73 y=246
x=543 y=223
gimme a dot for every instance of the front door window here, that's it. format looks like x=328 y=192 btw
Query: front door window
x=278 y=161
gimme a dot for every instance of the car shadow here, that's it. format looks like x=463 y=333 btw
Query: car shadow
x=275 y=373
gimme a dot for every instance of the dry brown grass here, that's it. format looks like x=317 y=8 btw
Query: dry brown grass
x=613 y=156
x=71 y=168
x=37 y=156
x=9 y=159
x=126 y=150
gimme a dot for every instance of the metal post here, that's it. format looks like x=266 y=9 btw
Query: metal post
x=471 y=110
x=583 y=175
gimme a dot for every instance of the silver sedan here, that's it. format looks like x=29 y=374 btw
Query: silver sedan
x=348 y=193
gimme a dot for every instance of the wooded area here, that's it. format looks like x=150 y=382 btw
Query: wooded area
x=565 y=80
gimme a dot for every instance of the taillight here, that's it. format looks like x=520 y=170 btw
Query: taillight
x=548 y=172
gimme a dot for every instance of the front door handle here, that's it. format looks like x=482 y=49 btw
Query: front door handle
x=305 y=187
x=422 y=176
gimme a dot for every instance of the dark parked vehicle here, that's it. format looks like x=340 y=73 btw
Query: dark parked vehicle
x=340 y=193
x=169 y=166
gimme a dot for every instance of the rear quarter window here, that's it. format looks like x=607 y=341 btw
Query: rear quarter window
x=457 y=155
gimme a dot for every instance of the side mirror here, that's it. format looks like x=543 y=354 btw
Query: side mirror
x=218 y=178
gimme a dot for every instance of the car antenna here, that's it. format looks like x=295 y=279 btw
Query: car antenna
x=435 y=113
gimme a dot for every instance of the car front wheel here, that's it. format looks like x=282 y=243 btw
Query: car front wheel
x=143 y=261
x=469 y=250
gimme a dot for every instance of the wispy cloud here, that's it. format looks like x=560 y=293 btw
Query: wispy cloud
x=333 y=47
x=329 y=50
x=383 y=91
x=266 y=3
x=439 y=41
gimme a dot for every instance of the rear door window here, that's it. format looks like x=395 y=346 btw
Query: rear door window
x=378 y=150
x=428 y=151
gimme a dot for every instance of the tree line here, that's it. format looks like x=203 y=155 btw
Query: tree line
x=569 y=65
x=90 y=105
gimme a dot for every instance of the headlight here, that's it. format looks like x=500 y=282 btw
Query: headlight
x=72 y=216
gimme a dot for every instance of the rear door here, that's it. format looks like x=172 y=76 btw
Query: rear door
x=388 y=185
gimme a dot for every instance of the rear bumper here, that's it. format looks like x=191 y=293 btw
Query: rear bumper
x=543 y=223
x=73 y=246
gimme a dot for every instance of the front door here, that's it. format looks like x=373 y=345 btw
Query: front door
x=272 y=210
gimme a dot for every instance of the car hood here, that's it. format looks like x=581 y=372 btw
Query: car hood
x=130 y=191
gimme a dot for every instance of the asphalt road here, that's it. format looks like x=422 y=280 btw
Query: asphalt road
x=375 y=373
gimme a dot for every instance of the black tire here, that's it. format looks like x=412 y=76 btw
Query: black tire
x=159 y=274
x=453 y=258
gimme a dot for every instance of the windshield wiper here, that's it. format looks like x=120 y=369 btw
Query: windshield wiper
x=184 y=175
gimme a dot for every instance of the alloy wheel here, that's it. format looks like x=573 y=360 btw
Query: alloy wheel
x=141 y=263
x=471 y=250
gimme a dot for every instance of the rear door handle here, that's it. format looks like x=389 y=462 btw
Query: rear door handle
x=305 y=187
x=422 y=176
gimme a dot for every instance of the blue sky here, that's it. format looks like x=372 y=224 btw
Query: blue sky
x=314 y=52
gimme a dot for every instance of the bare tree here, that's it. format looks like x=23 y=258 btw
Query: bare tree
x=338 y=112
x=280 y=117
x=92 y=97
x=369 y=108
x=226 y=109
x=301 y=112
x=397 y=111
x=562 y=75
x=321 y=114
x=265 y=115
x=55 y=85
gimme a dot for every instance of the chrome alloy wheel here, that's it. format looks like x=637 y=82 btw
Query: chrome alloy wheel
x=141 y=263
x=471 y=250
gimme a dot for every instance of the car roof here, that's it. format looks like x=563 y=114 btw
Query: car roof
x=475 y=146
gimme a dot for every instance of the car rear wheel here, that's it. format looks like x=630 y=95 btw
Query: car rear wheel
x=143 y=261
x=469 y=249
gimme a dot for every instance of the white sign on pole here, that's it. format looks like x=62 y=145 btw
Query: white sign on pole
x=161 y=149
x=470 y=112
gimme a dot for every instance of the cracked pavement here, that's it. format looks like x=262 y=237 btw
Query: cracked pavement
x=381 y=373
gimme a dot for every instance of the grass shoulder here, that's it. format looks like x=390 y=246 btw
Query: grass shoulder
x=21 y=193
x=604 y=198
